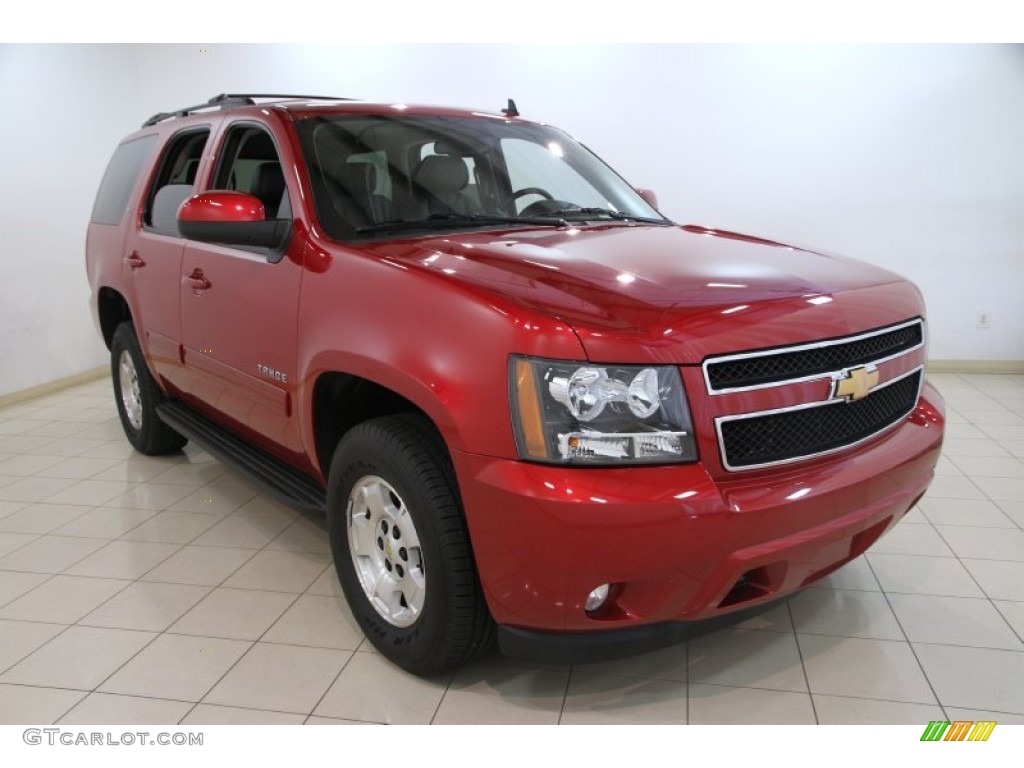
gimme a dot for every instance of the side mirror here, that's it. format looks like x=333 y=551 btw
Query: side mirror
x=230 y=218
x=648 y=196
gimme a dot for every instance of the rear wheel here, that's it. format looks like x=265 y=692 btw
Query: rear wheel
x=401 y=547
x=137 y=396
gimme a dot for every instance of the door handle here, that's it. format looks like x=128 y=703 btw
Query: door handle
x=197 y=281
x=134 y=260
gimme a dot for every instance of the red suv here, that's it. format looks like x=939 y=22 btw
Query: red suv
x=531 y=406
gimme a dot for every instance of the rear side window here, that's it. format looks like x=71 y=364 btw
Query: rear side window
x=175 y=178
x=119 y=180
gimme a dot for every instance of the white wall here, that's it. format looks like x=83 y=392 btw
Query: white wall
x=906 y=156
x=64 y=110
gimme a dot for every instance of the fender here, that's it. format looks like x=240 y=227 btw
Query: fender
x=457 y=374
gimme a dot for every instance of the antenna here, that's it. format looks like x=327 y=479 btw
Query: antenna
x=511 y=110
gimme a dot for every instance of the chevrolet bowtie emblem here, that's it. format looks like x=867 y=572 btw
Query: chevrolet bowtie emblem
x=855 y=383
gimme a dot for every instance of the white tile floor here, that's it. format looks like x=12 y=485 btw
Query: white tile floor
x=139 y=590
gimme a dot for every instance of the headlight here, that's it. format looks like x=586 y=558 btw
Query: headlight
x=566 y=412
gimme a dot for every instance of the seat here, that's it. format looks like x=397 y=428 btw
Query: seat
x=191 y=168
x=360 y=179
x=444 y=179
x=353 y=191
x=268 y=185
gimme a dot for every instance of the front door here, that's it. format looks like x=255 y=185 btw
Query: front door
x=239 y=306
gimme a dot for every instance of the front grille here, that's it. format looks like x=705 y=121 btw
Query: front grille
x=778 y=437
x=768 y=367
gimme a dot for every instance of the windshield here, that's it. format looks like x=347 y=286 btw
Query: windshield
x=382 y=175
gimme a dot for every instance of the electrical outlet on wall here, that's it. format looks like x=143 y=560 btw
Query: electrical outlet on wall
x=984 y=319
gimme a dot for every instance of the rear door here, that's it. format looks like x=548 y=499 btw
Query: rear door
x=239 y=306
x=154 y=251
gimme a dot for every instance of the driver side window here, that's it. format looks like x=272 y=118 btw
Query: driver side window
x=250 y=163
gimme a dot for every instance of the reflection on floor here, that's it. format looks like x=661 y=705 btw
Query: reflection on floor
x=138 y=590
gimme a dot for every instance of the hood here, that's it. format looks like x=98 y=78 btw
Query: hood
x=636 y=293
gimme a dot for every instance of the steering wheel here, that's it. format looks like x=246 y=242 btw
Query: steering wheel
x=528 y=191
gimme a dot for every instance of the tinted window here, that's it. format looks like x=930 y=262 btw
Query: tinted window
x=175 y=177
x=119 y=180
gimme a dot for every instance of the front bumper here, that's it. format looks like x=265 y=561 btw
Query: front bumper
x=678 y=544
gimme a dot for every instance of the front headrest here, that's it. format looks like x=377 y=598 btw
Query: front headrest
x=359 y=178
x=268 y=182
x=442 y=174
x=258 y=146
x=190 y=170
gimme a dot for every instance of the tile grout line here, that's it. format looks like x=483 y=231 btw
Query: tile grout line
x=803 y=665
x=157 y=634
x=565 y=693
x=334 y=680
x=447 y=687
x=219 y=586
x=910 y=645
x=5 y=670
x=95 y=688
x=252 y=644
x=686 y=657
x=987 y=597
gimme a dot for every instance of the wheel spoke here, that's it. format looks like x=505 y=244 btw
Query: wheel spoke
x=412 y=589
x=416 y=561
x=363 y=540
x=372 y=496
x=388 y=591
x=409 y=538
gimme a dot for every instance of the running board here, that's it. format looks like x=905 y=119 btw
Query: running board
x=281 y=481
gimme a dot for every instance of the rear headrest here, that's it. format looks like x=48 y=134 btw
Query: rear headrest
x=449 y=147
x=442 y=174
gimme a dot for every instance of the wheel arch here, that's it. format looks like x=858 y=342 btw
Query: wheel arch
x=112 y=309
x=340 y=401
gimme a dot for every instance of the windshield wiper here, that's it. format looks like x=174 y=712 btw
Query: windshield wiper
x=590 y=213
x=461 y=220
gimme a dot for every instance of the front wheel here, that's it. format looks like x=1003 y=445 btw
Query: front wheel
x=401 y=548
x=137 y=396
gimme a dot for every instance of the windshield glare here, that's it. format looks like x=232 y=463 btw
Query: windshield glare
x=369 y=172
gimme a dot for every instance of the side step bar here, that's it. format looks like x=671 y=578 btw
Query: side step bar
x=269 y=473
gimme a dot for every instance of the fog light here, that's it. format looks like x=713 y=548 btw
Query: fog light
x=597 y=598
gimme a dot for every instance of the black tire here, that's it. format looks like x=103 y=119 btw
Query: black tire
x=453 y=624
x=149 y=435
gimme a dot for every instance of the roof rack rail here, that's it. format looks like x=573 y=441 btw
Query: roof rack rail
x=228 y=100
